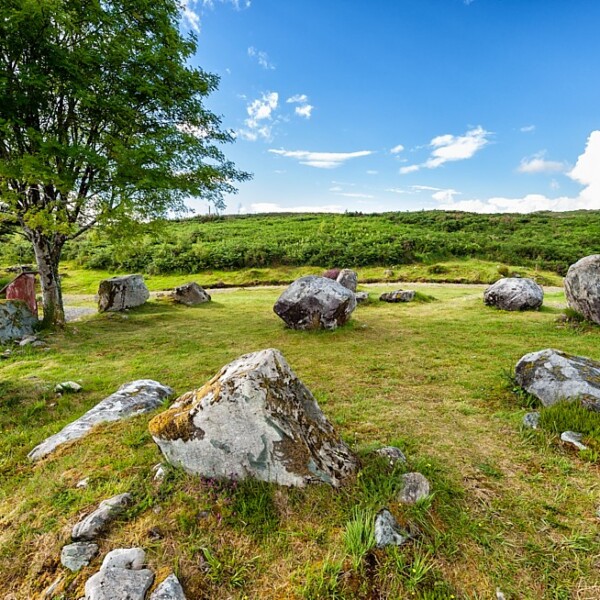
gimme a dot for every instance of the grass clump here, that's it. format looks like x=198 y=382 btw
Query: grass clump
x=572 y=416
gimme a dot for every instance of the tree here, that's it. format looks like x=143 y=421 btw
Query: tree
x=102 y=121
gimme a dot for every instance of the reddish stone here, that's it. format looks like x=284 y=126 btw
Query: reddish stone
x=23 y=288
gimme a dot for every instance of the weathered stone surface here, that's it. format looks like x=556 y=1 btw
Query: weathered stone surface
x=387 y=530
x=131 y=399
x=67 y=387
x=255 y=418
x=361 y=297
x=582 y=287
x=120 y=577
x=552 y=375
x=398 y=296
x=169 y=589
x=348 y=278
x=91 y=526
x=315 y=303
x=190 y=294
x=414 y=487
x=392 y=454
x=119 y=293
x=572 y=437
x=514 y=293
x=531 y=420
x=78 y=555
x=16 y=320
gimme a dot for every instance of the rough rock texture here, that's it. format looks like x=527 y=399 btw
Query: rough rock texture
x=348 y=278
x=415 y=486
x=16 y=320
x=572 y=437
x=582 y=287
x=392 y=453
x=78 y=555
x=387 y=530
x=361 y=297
x=315 y=303
x=119 y=293
x=531 y=420
x=121 y=577
x=255 y=418
x=67 y=387
x=190 y=294
x=398 y=296
x=169 y=589
x=131 y=399
x=552 y=375
x=91 y=526
x=514 y=293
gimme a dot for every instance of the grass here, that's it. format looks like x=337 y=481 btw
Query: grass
x=509 y=508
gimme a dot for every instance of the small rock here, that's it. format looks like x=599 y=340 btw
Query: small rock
x=28 y=339
x=159 y=472
x=398 y=296
x=571 y=437
x=387 y=530
x=169 y=589
x=48 y=593
x=392 y=453
x=67 y=386
x=83 y=483
x=154 y=533
x=415 y=487
x=125 y=558
x=500 y=595
x=348 y=278
x=92 y=525
x=531 y=420
x=361 y=297
x=190 y=294
x=39 y=344
x=78 y=555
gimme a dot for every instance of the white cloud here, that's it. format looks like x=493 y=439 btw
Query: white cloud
x=425 y=188
x=527 y=128
x=298 y=98
x=321 y=160
x=397 y=149
x=304 y=111
x=371 y=172
x=189 y=14
x=409 y=169
x=268 y=207
x=237 y=4
x=260 y=115
x=261 y=57
x=354 y=195
x=538 y=164
x=397 y=191
x=445 y=195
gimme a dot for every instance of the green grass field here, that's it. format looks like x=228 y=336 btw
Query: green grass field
x=509 y=508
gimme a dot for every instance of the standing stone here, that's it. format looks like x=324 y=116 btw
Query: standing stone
x=255 y=418
x=582 y=287
x=414 y=487
x=315 y=303
x=120 y=293
x=551 y=375
x=169 y=589
x=190 y=294
x=131 y=399
x=348 y=278
x=514 y=293
x=398 y=296
x=78 y=555
x=108 y=510
x=16 y=320
x=387 y=530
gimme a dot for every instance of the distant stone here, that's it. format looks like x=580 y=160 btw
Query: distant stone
x=392 y=454
x=120 y=293
x=551 y=375
x=531 y=420
x=387 y=530
x=169 y=589
x=78 y=555
x=348 y=278
x=361 y=297
x=514 y=293
x=388 y=273
x=582 y=287
x=255 y=418
x=67 y=387
x=571 y=437
x=108 y=510
x=27 y=340
x=190 y=294
x=414 y=487
x=131 y=399
x=16 y=321
x=398 y=296
x=315 y=303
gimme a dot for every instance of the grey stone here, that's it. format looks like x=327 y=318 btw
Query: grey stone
x=27 y=340
x=398 y=296
x=531 y=420
x=131 y=399
x=169 y=589
x=361 y=297
x=83 y=483
x=387 y=530
x=348 y=278
x=514 y=293
x=190 y=294
x=16 y=321
x=500 y=595
x=78 y=555
x=93 y=524
x=255 y=418
x=120 y=293
x=67 y=386
x=414 y=487
x=159 y=472
x=392 y=453
x=582 y=287
x=48 y=593
x=551 y=375
x=571 y=437
x=315 y=303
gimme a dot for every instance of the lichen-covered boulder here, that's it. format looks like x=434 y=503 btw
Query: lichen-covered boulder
x=582 y=287
x=190 y=294
x=552 y=375
x=348 y=278
x=120 y=293
x=315 y=303
x=255 y=418
x=514 y=293
x=398 y=296
x=16 y=320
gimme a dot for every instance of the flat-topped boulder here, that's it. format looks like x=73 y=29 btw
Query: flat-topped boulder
x=120 y=293
x=254 y=418
x=16 y=320
x=398 y=296
x=514 y=293
x=190 y=294
x=582 y=287
x=348 y=278
x=315 y=303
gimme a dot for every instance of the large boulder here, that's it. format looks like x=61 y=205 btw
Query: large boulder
x=190 y=294
x=582 y=287
x=131 y=399
x=315 y=303
x=16 y=320
x=514 y=293
x=348 y=278
x=255 y=418
x=120 y=293
x=551 y=375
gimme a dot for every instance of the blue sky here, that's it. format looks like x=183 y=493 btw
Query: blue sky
x=380 y=105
